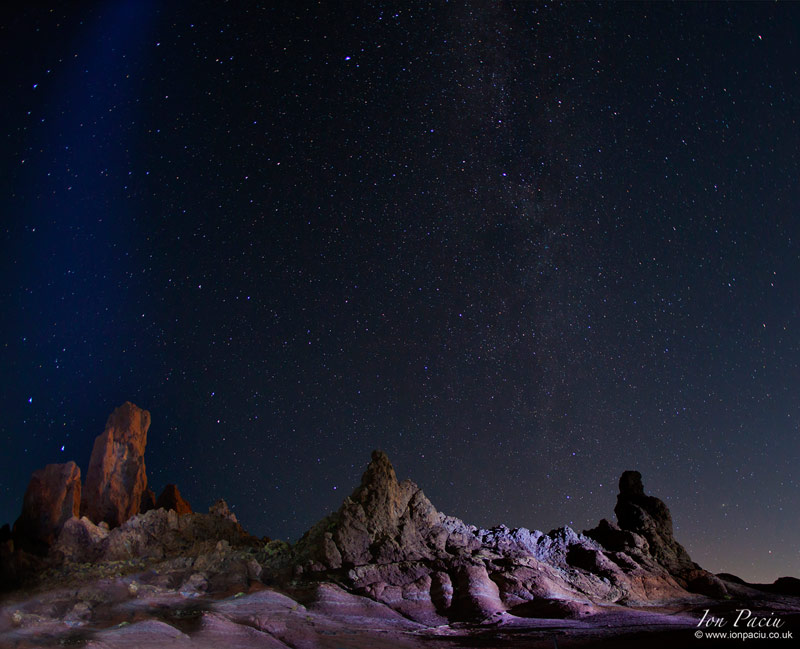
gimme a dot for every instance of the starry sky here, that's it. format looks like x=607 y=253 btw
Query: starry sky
x=519 y=246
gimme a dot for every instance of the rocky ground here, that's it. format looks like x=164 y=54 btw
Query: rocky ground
x=386 y=570
x=219 y=599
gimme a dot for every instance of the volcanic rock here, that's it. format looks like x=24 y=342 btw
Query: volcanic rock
x=648 y=517
x=220 y=508
x=158 y=534
x=116 y=477
x=382 y=522
x=475 y=595
x=148 y=501
x=80 y=541
x=391 y=544
x=53 y=497
x=171 y=498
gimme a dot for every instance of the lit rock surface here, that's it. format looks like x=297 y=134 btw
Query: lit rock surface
x=386 y=570
x=116 y=479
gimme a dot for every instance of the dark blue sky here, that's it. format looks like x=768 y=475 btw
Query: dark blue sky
x=521 y=247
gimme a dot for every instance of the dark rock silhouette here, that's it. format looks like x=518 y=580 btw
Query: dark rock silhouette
x=148 y=501
x=53 y=497
x=171 y=498
x=648 y=517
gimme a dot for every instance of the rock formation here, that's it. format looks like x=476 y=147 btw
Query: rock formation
x=116 y=477
x=171 y=498
x=382 y=522
x=52 y=498
x=648 y=517
x=389 y=542
x=148 y=501
x=386 y=543
x=156 y=535
x=220 y=508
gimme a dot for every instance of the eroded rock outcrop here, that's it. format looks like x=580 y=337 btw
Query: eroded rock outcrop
x=389 y=542
x=148 y=501
x=646 y=517
x=116 y=478
x=220 y=508
x=156 y=535
x=649 y=517
x=53 y=497
x=382 y=522
x=171 y=498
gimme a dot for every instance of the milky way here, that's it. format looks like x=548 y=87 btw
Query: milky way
x=520 y=247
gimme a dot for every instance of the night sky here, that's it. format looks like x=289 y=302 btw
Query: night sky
x=520 y=247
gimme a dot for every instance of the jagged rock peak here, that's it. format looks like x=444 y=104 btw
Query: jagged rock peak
x=116 y=478
x=148 y=501
x=379 y=471
x=384 y=521
x=130 y=425
x=649 y=516
x=220 y=508
x=379 y=492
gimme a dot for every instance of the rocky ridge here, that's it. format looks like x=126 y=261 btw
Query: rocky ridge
x=386 y=559
x=63 y=520
x=387 y=541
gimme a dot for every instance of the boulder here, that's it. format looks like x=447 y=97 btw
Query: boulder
x=171 y=498
x=786 y=586
x=116 y=477
x=705 y=583
x=52 y=498
x=80 y=541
